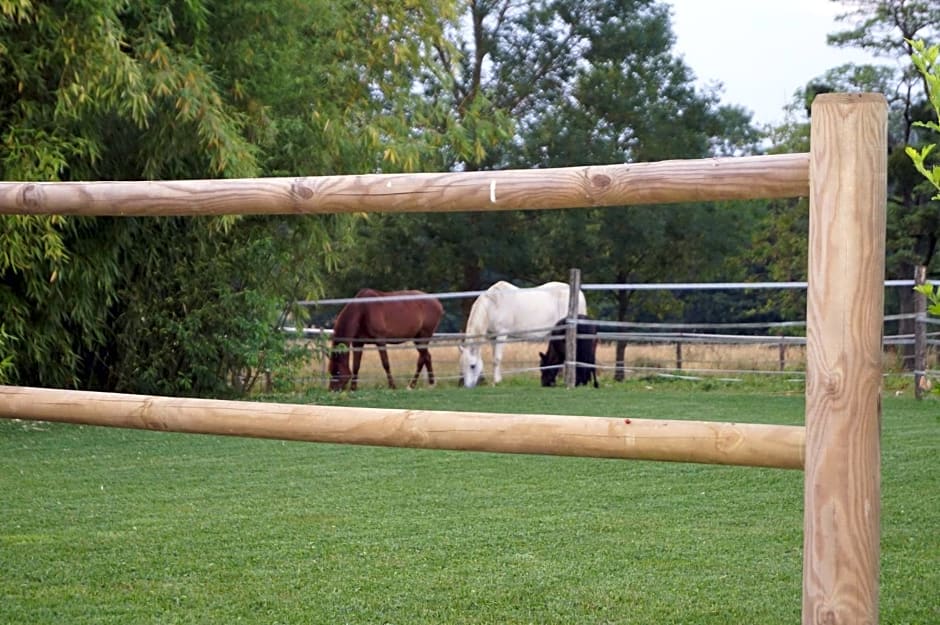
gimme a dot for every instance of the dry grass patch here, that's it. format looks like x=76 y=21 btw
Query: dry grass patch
x=522 y=359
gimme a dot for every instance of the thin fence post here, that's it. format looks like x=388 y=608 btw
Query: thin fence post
x=678 y=353
x=920 y=334
x=845 y=321
x=620 y=360
x=782 y=354
x=571 y=328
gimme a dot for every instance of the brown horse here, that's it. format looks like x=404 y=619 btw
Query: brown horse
x=379 y=322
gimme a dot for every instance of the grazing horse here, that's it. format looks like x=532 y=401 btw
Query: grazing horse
x=585 y=350
x=503 y=311
x=382 y=322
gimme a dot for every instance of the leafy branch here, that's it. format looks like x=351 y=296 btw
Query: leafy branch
x=927 y=61
x=933 y=298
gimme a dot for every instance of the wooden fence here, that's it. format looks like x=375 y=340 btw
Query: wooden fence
x=845 y=176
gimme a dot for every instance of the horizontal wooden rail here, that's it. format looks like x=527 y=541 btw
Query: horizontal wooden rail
x=600 y=437
x=772 y=176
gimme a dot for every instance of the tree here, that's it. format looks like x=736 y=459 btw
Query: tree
x=82 y=88
x=887 y=28
x=913 y=227
x=584 y=82
x=115 y=91
x=927 y=61
x=778 y=251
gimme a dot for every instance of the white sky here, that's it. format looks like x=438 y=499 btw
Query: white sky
x=762 y=51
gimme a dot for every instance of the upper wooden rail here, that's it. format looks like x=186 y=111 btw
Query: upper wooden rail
x=733 y=178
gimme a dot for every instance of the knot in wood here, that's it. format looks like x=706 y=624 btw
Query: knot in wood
x=301 y=190
x=31 y=197
x=601 y=181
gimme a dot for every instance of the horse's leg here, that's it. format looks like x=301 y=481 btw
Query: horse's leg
x=418 y=365
x=388 y=371
x=593 y=361
x=357 y=360
x=427 y=365
x=424 y=360
x=499 y=343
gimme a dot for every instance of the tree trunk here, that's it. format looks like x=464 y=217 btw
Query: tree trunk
x=471 y=282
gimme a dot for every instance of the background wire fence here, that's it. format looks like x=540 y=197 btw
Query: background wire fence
x=666 y=349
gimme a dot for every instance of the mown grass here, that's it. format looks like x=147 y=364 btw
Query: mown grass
x=117 y=526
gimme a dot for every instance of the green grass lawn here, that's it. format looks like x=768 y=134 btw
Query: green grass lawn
x=102 y=525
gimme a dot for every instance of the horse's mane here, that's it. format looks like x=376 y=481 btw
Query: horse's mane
x=478 y=321
x=349 y=318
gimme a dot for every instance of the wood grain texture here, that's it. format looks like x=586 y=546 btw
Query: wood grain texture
x=773 y=176
x=845 y=309
x=680 y=441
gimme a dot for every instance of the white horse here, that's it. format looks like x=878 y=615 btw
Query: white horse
x=503 y=311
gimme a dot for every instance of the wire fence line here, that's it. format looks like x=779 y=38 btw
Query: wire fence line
x=457 y=338
x=704 y=286
x=775 y=364
x=651 y=333
x=631 y=286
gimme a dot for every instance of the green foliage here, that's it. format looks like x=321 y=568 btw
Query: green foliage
x=91 y=91
x=59 y=276
x=933 y=297
x=167 y=339
x=926 y=61
x=885 y=28
x=920 y=162
x=777 y=252
x=585 y=83
x=150 y=90
x=6 y=356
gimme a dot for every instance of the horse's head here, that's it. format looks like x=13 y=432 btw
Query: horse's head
x=340 y=373
x=471 y=364
x=549 y=369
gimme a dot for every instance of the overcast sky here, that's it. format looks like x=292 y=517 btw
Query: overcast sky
x=760 y=50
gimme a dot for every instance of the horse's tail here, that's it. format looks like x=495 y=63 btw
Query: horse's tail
x=432 y=311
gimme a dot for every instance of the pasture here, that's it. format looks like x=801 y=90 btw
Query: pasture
x=521 y=360
x=123 y=526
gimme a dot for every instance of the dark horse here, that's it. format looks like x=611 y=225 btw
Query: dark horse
x=378 y=322
x=586 y=348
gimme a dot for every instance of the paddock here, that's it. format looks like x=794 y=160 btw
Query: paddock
x=844 y=176
x=722 y=347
